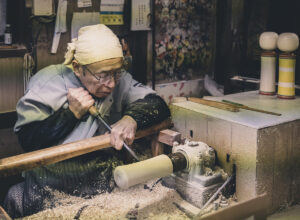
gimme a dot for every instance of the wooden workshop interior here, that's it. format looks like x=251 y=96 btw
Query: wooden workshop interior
x=227 y=70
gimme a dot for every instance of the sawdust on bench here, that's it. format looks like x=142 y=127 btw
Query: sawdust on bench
x=143 y=203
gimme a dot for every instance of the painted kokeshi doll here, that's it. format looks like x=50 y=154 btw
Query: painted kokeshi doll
x=287 y=43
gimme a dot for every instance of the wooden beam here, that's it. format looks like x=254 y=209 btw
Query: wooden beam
x=4 y=215
x=157 y=148
x=165 y=137
x=256 y=207
x=16 y=164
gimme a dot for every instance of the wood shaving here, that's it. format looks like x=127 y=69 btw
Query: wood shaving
x=156 y=204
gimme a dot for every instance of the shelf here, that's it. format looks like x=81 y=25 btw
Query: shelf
x=16 y=50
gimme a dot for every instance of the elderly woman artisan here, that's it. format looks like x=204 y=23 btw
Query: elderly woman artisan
x=54 y=111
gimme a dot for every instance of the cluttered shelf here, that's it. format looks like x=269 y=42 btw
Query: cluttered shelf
x=15 y=50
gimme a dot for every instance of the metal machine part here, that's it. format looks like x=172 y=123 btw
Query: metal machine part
x=178 y=160
x=200 y=162
x=198 y=155
x=200 y=178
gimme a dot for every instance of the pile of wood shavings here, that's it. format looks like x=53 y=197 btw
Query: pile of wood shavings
x=133 y=203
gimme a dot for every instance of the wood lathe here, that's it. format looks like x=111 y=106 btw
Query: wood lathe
x=190 y=169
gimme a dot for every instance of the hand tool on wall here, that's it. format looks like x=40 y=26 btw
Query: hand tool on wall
x=93 y=111
x=16 y=164
x=249 y=108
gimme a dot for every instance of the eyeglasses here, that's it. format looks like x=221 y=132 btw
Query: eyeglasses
x=107 y=76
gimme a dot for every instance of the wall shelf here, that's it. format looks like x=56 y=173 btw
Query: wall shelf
x=16 y=50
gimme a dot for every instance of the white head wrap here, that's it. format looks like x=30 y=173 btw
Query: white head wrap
x=94 y=43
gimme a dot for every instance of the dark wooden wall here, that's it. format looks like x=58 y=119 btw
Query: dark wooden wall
x=239 y=24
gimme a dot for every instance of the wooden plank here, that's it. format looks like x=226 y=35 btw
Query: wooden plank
x=22 y=162
x=168 y=136
x=157 y=148
x=4 y=215
x=256 y=207
x=250 y=108
x=215 y=104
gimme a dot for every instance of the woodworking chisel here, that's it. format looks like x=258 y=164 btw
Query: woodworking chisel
x=93 y=111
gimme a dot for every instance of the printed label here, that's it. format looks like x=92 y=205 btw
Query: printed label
x=7 y=38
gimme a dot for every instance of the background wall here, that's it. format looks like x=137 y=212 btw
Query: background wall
x=233 y=39
x=239 y=24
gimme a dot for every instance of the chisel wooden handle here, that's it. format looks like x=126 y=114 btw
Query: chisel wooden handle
x=93 y=111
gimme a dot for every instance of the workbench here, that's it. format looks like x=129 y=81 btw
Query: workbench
x=265 y=148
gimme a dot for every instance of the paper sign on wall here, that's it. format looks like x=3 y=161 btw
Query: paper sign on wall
x=111 y=12
x=81 y=19
x=84 y=3
x=140 y=15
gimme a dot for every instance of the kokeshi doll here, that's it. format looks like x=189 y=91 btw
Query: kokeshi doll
x=287 y=43
x=268 y=42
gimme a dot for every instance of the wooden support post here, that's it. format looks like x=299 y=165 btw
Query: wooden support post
x=157 y=148
x=168 y=136
x=4 y=215
x=165 y=137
